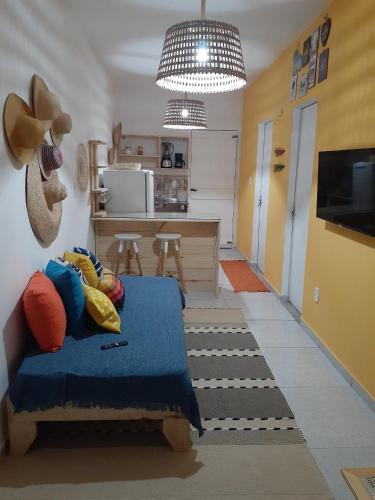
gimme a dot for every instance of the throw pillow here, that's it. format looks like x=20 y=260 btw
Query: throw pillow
x=101 y=309
x=69 y=286
x=81 y=276
x=85 y=264
x=113 y=287
x=96 y=262
x=44 y=312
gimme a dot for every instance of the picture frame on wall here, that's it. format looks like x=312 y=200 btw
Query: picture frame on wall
x=315 y=40
x=306 y=51
x=303 y=85
x=325 y=30
x=323 y=65
x=297 y=61
x=293 y=88
x=312 y=71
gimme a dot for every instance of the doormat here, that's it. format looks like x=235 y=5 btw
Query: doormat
x=237 y=394
x=241 y=277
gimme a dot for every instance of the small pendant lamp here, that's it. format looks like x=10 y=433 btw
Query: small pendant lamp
x=202 y=56
x=185 y=114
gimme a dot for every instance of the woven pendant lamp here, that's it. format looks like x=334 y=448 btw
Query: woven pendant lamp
x=185 y=114
x=202 y=56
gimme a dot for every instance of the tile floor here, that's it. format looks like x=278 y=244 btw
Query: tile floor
x=338 y=426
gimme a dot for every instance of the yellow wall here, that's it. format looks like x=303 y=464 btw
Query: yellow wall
x=339 y=261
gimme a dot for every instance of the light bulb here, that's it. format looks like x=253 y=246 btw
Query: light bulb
x=202 y=51
x=184 y=113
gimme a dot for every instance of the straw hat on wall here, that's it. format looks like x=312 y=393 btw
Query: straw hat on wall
x=44 y=202
x=61 y=126
x=50 y=158
x=24 y=133
x=46 y=104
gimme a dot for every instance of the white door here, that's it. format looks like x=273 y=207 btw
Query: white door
x=213 y=172
x=301 y=206
x=262 y=181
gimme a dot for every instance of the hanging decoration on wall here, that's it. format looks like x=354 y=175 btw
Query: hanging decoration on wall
x=50 y=159
x=293 y=88
x=82 y=168
x=61 y=126
x=116 y=137
x=306 y=51
x=297 y=61
x=312 y=71
x=23 y=132
x=323 y=65
x=202 y=56
x=185 y=114
x=46 y=105
x=325 y=30
x=44 y=202
x=111 y=155
x=314 y=41
x=303 y=85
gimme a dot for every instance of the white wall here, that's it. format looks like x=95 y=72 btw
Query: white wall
x=140 y=105
x=40 y=36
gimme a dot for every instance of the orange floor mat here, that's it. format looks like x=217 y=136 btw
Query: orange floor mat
x=242 y=277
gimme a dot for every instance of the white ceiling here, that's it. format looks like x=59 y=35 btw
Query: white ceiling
x=128 y=35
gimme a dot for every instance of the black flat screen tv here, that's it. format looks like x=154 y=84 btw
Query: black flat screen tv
x=346 y=189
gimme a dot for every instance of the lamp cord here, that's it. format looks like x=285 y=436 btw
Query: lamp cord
x=203 y=9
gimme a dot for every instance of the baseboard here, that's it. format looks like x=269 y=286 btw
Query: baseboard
x=362 y=393
x=260 y=275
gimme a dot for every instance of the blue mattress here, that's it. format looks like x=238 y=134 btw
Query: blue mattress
x=150 y=372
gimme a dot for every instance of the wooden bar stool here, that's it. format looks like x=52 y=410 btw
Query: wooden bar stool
x=130 y=241
x=174 y=238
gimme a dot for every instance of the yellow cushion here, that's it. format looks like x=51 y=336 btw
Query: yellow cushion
x=101 y=309
x=85 y=264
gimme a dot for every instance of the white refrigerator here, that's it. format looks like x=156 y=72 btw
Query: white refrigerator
x=129 y=190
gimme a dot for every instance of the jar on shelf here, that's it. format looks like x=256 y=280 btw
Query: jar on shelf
x=140 y=150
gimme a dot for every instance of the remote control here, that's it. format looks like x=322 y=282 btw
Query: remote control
x=115 y=344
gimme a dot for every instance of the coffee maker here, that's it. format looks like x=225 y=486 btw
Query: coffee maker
x=167 y=151
x=178 y=161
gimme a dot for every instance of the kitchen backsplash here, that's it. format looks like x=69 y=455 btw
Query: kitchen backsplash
x=166 y=186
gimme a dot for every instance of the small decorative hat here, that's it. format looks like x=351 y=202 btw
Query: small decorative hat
x=54 y=192
x=43 y=200
x=50 y=158
x=62 y=125
x=24 y=133
x=46 y=104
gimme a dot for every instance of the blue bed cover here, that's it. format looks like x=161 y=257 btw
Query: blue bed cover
x=150 y=372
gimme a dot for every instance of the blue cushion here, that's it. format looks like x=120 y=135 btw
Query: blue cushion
x=70 y=289
x=97 y=264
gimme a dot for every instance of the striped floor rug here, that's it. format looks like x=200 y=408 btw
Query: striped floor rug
x=239 y=400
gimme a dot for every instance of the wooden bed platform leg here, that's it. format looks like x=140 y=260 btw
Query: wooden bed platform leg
x=21 y=433
x=177 y=432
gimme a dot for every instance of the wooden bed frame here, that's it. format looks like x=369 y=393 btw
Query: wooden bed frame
x=23 y=425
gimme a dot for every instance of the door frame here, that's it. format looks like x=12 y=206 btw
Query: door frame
x=296 y=125
x=258 y=176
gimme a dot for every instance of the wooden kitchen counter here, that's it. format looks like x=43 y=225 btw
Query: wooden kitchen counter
x=199 y=244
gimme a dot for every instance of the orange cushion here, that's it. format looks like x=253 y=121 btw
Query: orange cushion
x=44 y=312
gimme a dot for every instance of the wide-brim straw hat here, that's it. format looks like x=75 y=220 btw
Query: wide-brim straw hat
x=44 y=202
x=46 y=104
x=24 y=133
x=61 y=126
